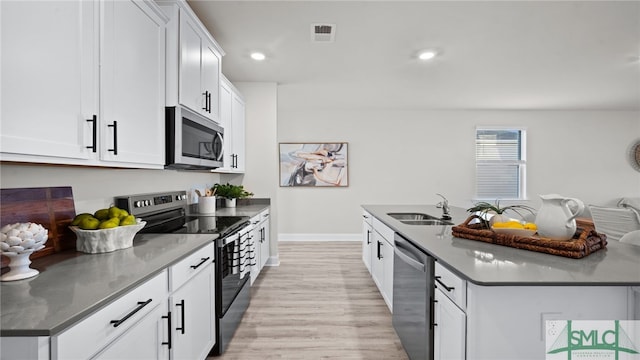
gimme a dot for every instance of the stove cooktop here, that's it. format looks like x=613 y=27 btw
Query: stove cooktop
x=212 y=224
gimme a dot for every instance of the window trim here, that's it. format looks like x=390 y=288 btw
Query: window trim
x=522 y=163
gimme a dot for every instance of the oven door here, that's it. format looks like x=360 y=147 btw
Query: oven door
x=193 y=142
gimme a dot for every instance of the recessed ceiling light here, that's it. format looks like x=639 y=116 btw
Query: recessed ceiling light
x=427 y=55
x=258 y=56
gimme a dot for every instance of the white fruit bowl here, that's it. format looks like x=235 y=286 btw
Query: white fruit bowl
x=106 y=240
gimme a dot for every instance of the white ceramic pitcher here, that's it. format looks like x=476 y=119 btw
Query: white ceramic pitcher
x=555 y=219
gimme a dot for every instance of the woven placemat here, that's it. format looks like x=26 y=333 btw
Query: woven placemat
x=584 y=242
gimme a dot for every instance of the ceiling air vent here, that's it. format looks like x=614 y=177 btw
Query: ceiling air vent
x=323 y=32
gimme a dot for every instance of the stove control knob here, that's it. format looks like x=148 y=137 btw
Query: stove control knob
x=137 y=204
x=147 y=202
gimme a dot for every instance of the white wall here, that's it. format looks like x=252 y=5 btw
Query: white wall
x=95 y=188
x=261 y=175
x=405 y=157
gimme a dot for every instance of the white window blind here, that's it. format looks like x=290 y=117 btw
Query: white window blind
x=500 y=163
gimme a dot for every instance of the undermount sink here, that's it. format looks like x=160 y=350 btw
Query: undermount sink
x=418 y=219
x=427 y=222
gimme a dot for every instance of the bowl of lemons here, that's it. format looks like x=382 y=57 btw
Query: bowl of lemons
x=105 y=230
x=515 y=227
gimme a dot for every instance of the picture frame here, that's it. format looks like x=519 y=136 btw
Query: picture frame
x=322 y=164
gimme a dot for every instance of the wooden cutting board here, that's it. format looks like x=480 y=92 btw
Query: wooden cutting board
x=51 y=207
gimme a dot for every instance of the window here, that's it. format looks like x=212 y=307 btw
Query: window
x=500 y=163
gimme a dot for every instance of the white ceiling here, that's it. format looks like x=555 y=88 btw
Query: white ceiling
x=495 y=54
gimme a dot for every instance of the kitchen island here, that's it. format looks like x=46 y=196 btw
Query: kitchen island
x=503 y=296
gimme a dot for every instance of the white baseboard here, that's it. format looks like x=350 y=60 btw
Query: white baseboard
x=273 y=261
x=320 y=237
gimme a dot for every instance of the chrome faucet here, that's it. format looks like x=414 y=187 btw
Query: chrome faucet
x=444 y=204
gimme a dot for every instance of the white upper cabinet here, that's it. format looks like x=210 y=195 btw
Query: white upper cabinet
x=83 y=83
x=232 y=119
x=193 y=62
x=49 y=78
x=132 y=83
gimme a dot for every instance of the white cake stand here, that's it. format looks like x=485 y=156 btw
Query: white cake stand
x=19 y=266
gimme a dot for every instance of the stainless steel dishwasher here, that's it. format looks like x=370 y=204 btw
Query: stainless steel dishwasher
x=413 y=299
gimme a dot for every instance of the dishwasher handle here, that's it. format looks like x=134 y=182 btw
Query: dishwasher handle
x=405 y=255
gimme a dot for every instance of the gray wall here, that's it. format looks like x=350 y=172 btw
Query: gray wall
x=95 y=188
x=261 y=176
x=406 y=156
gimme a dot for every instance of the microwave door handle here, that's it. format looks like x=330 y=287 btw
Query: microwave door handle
x=221 y=153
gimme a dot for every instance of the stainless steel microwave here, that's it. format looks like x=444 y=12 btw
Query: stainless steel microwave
x=193 y=142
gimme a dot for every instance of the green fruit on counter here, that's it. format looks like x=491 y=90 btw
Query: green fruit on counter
x=128 y=220
x=109 y=224
x=123 y=214
x=80 y=217
x=102 y=214
x=89 y=223
x=115 y=212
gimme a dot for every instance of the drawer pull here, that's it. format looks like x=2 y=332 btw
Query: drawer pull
x=168 y=342
x=204 y=260
x=141 y=304
x=449 y=289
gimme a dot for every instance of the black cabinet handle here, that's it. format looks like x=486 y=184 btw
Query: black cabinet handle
x=205 y=100
x=432 y=312
x=94 y=135
x=115 y=137
x=368 y=237
x=141 y=304
x=378 y=255
x=209 y=102
x=181 y=304
x=449 y=289
x=204 y=260
x=168 y=317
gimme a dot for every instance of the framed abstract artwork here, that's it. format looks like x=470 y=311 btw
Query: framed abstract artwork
x=314 y=164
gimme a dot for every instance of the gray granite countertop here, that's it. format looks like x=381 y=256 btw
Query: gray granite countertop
x=489 y=264
x=72 y=285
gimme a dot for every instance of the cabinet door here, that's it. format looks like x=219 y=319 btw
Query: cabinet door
x=190 y=61
x=265 y=243
x=226 y=103
x=377 y=267
x=449 y=334
x=367 y=243
x=193 y=311
x=238 y=115
x=147 y=339
x=132 y=83
x=49 y=79
x=211 y=81
x=387 y=283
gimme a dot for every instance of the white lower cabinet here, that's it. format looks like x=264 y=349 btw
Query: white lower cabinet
x=449 y=330
x=192 y=305
x=146 y=339
x=105 y=334
x=260 y=243
x=367 y=243
x=377 y=254
x=382 y=265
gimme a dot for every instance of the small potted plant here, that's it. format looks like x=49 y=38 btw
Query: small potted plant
x=230 y=193
x=497 y=212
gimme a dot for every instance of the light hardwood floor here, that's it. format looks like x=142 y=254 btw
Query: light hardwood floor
x=320 y=303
